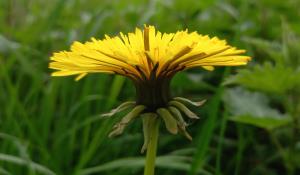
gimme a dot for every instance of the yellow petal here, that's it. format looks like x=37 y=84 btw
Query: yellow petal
x=210 y=68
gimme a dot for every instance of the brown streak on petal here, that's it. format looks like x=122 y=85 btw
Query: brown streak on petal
x=142 y=73
x=182 y=52
x=116 y=58
x=188 y=59
x=115 y=65
x=146 y=39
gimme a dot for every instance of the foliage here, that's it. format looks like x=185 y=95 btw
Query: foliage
x=53 y=125
x=267 y=78
x=281 y=79
x=253 y=108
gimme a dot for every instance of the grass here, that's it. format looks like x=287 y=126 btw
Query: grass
x=52 y=125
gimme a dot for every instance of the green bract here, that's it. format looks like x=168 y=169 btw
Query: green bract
x=172 y=116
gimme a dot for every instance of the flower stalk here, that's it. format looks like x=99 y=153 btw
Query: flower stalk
x=153 y=132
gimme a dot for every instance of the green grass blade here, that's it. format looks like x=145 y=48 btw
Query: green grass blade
x=19 y=161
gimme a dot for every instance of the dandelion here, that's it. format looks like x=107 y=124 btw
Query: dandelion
x=150 y=59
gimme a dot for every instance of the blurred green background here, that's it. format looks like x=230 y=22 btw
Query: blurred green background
x=51 y=125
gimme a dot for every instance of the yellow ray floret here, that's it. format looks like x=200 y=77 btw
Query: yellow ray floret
x=146 y=53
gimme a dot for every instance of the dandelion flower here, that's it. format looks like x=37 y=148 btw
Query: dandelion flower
x=150 y=59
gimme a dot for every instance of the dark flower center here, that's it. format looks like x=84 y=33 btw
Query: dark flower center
x=154 y=93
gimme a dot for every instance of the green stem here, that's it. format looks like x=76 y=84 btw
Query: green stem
x=152 y=147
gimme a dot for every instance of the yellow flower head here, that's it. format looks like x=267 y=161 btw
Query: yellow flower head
x=150 y=59
x=146 y=54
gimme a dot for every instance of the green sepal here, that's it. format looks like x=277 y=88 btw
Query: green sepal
x=149 y=120
x=169 y=120
x=120 y=108
x=181 y=123
x=184 y=109
x=117 y=130
x=176 y=113
x=133 y=113
x=194 y=103
x=184 y=132
x=120 y=126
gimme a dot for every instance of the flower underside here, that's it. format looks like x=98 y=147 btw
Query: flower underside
x=150 y=59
